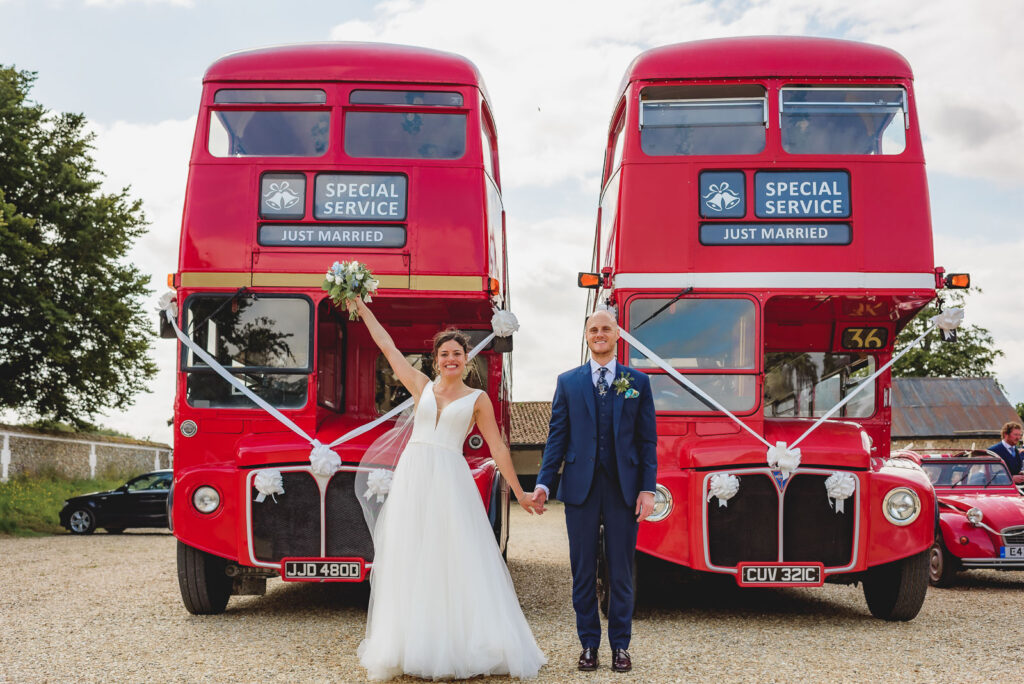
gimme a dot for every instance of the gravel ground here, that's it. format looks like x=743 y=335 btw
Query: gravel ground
x=107 y=608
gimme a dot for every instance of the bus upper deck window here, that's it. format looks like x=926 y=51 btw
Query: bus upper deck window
x=269 y=96
x=418 y=98
x=843 y=120
x=268 y=133
x=405 y=135
x=694 y=120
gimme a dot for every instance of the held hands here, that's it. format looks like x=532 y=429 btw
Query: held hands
x=529 y=503
x=538 y=498
x=644 y=506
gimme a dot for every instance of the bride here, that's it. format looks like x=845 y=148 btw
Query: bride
x=442 y=604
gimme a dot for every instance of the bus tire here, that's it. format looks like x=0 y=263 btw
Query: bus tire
x=895 y=591
x=205 y=587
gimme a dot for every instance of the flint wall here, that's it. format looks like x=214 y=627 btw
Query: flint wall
x=26 y=452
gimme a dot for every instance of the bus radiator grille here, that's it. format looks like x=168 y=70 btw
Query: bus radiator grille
x=812 y=530
x=346 y=534
x=748 y=528
x=289 y=528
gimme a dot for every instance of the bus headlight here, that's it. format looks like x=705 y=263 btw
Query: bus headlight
x=662 y=504
x=901 y=506
x=206 y=499
x=974 y=516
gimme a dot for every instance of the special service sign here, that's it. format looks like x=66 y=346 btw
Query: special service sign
x=356 y=197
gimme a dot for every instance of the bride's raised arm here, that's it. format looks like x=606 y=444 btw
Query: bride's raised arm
x=412 y=379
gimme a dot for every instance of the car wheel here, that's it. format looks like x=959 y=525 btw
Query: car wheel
x=82 y=521
x=114 y=530
x=895 y=591
x=942 y=566
x=204 y=584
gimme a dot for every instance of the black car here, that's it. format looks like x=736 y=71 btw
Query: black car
x=140 y=502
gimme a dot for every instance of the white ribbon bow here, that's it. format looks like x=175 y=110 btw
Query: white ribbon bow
x=323 y=461
x=168 y=302
x=838 y=488
x=948 y=321
x=378 y=483
x=724 y=487
x=783 y=459
x=504 y=323
x=268 y=483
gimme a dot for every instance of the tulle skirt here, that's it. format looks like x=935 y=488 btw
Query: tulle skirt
x=442 y=604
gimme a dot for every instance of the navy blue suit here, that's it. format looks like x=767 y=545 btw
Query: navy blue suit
x=606 y=466
x=1013 y=461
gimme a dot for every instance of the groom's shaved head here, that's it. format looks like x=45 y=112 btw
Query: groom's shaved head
x=601 y=316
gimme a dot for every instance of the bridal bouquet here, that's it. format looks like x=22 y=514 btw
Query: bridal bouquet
x=347 y=280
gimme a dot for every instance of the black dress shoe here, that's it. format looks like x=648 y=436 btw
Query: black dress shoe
x=621 y=661
x=588 y=659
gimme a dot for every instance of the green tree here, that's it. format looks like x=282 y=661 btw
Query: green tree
x=972 y=355
x=74 y=338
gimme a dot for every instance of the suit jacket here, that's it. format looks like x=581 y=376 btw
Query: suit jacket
x=572 y=436
x=1013 y=461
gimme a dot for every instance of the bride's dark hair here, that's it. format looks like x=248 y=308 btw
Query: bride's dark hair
x=449 y=335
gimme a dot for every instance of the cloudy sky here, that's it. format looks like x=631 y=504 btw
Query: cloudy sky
x=134 y=68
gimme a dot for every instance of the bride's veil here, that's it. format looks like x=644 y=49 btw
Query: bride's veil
x=373 y=478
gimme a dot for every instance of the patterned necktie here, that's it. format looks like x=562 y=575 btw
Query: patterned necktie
x=602 y=384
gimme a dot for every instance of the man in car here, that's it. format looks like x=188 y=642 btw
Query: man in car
x=1007 y=450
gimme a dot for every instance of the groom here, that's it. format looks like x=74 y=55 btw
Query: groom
x=602 y=428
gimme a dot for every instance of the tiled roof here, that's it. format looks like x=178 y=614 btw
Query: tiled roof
x=530 y=422
x=948 y=407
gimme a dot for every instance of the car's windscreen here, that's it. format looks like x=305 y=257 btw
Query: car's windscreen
x=966 y=474
x=808 y=384
x=843 y=120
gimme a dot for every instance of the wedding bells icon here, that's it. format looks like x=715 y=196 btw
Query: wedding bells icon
x=721 y=197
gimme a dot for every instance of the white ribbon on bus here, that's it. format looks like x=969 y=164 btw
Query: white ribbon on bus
x=786 y=457
x=324 y=461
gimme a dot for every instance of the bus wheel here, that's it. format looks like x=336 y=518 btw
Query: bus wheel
x=942 y=566
x=205 y=587
x=895 y=591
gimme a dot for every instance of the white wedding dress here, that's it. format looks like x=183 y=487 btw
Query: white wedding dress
x=442 y=604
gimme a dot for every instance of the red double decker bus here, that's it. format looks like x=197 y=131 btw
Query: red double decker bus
x=764 y=229
x=303 y=156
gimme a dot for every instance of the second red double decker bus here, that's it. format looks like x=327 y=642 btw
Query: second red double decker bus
x=303 y=156
x=764 y=229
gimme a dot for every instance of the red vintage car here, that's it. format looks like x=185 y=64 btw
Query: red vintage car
x=981 y=515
